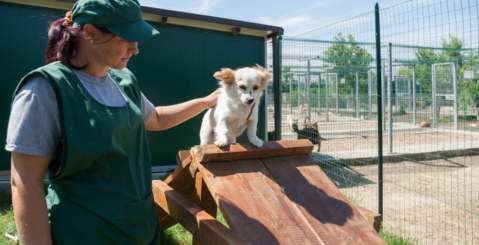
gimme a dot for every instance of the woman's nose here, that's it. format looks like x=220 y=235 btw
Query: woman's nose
x=134 y=47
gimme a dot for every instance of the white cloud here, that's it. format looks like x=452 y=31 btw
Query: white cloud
x=293 y=25
x=206 y=6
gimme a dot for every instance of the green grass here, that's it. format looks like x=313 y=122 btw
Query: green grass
x=7 y=221
x=392 y=239
x=175 y=235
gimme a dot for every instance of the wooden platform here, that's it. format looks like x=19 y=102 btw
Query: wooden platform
x=272 y=195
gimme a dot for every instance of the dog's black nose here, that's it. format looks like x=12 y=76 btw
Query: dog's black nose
x=249 y=101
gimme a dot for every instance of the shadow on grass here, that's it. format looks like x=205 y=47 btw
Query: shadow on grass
x=5 y=201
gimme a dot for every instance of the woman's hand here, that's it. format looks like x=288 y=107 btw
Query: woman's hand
x=166 y=117
x=211 y=99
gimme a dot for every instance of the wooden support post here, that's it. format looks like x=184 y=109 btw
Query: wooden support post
x=373 y=218
x=182 y=181
x=197 y=221
x=203 y=196
x=204 y=199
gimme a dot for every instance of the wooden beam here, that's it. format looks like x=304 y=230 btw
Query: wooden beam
x=181 y=181
x=373 y=218
x=197 y=221
x=205 y=200
x=243 y=151
x=5 y=173
x=203 y=196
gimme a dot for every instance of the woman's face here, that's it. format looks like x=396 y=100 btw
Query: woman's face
x=111 y=50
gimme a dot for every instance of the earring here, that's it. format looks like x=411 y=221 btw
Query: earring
x=91 y=41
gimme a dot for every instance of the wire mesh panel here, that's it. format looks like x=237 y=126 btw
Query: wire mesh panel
x=329 y=96
x=430 y=98
x=431 y=187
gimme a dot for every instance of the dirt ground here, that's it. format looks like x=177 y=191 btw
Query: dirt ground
x=431 y=202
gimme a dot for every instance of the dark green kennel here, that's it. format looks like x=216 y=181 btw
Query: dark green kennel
x=175 y=66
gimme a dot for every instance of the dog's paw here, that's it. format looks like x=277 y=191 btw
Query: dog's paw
x=221 y=142
x=257 y=142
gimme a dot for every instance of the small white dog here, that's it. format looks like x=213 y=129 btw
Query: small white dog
x=237 y=107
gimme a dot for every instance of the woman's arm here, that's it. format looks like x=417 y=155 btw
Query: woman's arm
x=165 y=117
x=28 y=198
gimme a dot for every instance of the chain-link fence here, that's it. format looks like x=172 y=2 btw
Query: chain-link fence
x=420 y=165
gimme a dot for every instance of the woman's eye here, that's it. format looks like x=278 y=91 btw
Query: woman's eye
x=255 y=88
x=242 y=87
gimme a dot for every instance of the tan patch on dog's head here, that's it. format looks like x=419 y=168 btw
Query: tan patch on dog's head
x=265 y=76
x=226 y=76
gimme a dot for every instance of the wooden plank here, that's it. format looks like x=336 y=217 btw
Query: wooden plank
x=203 y=196
x=322 y=205
x=253 y=204
x=183 y=159
x=373 y=218
x=5 y=173
x=205 y=201
x=181 y=181
x=202 y=225
x=242 y=151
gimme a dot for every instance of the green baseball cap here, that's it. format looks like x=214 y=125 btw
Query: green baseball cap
x=122 y=17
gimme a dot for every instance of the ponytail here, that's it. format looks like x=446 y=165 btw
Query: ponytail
x=62 y=42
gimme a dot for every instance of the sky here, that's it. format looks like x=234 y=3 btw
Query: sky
x=294 y=16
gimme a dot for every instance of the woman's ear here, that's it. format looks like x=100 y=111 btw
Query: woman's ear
x=90 y=32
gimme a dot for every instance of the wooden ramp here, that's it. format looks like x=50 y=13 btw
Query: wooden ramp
x=272 y=195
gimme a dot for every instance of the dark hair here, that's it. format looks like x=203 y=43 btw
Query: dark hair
x=62 y=43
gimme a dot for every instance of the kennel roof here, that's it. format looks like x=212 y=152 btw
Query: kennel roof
x=165 y=17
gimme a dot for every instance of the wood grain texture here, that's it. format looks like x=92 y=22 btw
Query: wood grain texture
x=253 y=204
x=373 y=218
x=198 y=222
x=320 y=202
x=270 y=195
x=242 y=151
x=183 y=182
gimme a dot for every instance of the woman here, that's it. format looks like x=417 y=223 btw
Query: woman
x=81 y=119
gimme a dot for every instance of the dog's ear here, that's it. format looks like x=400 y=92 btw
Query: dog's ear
x=226 y=76
x=265 y=76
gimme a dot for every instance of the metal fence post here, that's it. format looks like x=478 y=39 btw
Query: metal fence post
x=414 y=98
x=370 y=103
x=277 y=85
x=327 y=97
x=380 y=129
x=434 y=98
x=308 y=89
x=455 y=72
x=390 y=100
x=357 y=96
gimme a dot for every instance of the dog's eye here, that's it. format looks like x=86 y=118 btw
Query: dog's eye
x=242 y=87
x=255 y=88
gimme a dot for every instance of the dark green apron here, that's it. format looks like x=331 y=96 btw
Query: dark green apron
x=100 y=191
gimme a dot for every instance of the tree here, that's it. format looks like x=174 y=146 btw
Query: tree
x=348 y=58
x=469 y=88
x=287 y=77
x=452 y=50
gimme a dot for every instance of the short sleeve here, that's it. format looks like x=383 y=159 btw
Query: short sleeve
x=34 y=124
x=146 y=107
